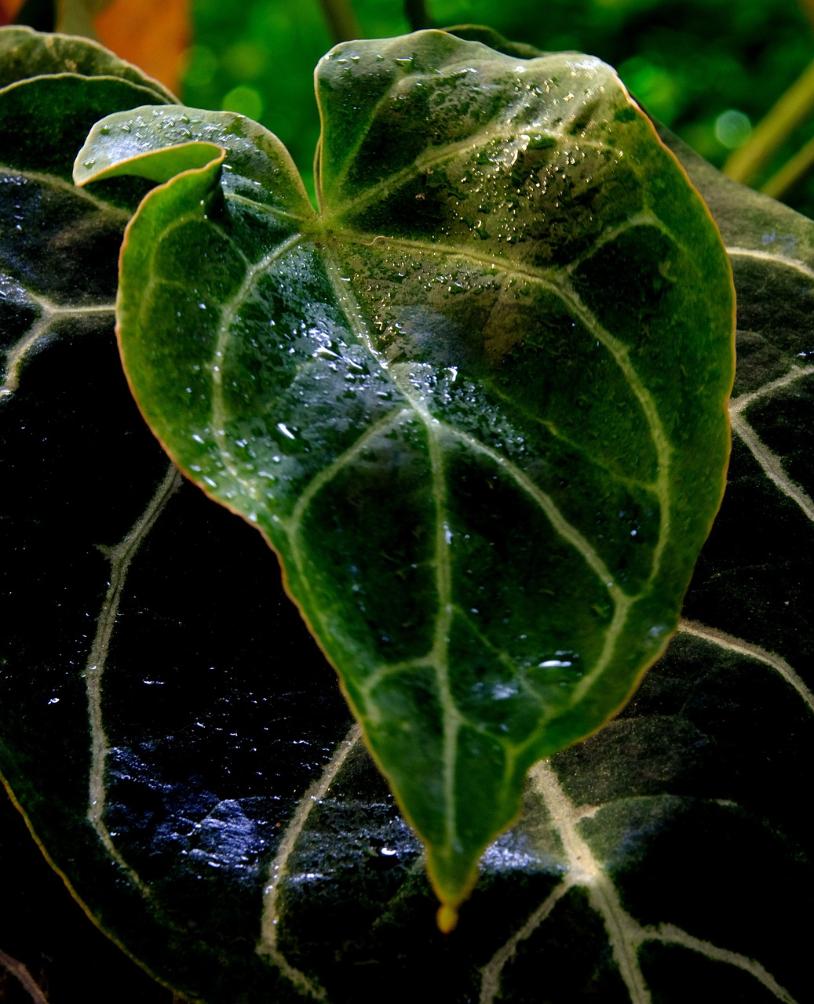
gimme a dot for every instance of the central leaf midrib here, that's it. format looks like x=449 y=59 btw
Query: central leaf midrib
x=440 y=652
x=439 y=655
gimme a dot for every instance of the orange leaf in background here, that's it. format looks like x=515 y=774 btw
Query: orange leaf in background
x=153 y=34
x=8 y=10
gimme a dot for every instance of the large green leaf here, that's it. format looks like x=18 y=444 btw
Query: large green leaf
x=475 y=403
x=180 y=748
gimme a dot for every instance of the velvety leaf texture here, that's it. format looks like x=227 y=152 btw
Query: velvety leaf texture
x=181 y=750
x=475 y=402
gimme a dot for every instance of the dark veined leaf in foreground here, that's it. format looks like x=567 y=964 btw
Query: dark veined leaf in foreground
x=58 y=249
x=476 y=402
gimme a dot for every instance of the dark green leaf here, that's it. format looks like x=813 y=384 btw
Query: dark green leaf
x=46 y=941
x=181 y=749
x=25 y=54
x=476 y=403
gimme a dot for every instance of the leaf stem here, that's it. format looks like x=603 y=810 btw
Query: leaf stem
x=418 y=16
x=792 y=172
x=792 y=108
x=341 y=19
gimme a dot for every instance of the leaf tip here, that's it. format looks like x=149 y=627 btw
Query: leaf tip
x=447 y=918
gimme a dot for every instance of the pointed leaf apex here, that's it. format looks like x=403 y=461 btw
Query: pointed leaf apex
x=447 y=918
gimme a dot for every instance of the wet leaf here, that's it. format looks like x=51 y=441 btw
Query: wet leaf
x=182 y=752
x=476 y=403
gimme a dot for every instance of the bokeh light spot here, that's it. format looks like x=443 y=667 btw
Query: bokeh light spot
x=201 y=65
x=732 y=128
x=244 y=100
x=654 y=86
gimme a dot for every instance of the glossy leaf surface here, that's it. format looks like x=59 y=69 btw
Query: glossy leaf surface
x=182 y=752
x=476 y=403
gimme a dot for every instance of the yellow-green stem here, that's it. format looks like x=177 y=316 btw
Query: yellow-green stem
x=792 y=108
x=341 y=19
x=417 y=14
x=791 y=172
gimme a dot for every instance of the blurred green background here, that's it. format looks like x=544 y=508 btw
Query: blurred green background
x=709 y=69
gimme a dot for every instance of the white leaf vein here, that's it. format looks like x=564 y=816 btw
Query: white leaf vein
x=770 y=256
x=440 y=154
x=795 y=373
x=772 y=465
x=671 y=935
x=751 y=651
x=553 y=281
x=18 y=354
x=493 y=970
x=121 y=556
x=222 y=339
x=68 y=187
x=625 y=934
x=268 y=944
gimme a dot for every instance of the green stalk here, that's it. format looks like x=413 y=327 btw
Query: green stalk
x=342 y=22
x=791 y=172
x=417 y=14
x=792 y=108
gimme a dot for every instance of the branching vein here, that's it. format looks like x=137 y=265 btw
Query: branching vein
x=553 y=281
x=746 y=648
x=121 y=557
x=327 y=474
x=795 y=373
x=671 y=935
x=268 y=944
x=625 y=934
x=566 y=530
x=772 y=465
x=439 y=656
x=18 y=354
